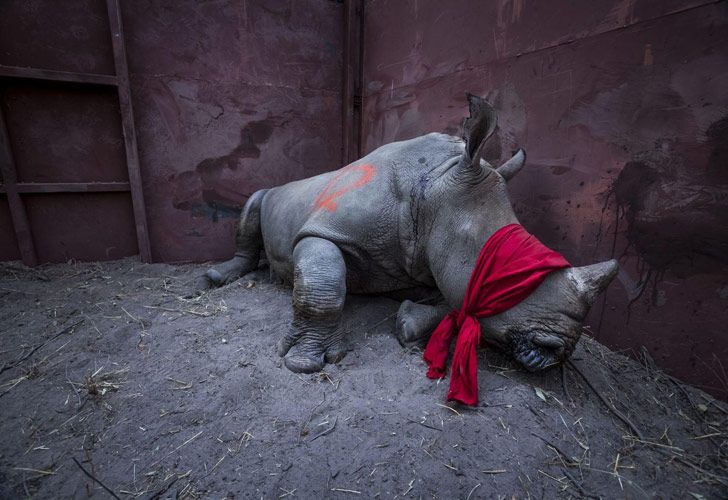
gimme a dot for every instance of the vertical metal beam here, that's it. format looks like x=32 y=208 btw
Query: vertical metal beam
x=127 y=123
x=361 y=13
x=347 y=110
x=17 y=209
x=351 y=94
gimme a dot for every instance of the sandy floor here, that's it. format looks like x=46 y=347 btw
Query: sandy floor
x=109 y=376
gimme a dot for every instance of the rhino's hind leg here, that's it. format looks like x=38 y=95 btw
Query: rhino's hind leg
x=248 y=241
x=416 y=322
x=319 y=291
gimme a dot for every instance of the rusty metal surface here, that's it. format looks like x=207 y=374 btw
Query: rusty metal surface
x=18 y=215
x=45 y=34
x=64 y=133
x=229 y=97
x=91 y=226
x=621 y=106
x=9 y=248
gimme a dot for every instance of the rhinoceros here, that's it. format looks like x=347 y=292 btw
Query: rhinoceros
x=409 y=215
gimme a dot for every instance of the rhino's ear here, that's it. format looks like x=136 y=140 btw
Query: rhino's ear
x=510 y=168
x=592 y=280
x=476 y=129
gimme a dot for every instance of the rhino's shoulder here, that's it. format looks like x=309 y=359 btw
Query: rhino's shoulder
x=426 y=150
x=433 y=143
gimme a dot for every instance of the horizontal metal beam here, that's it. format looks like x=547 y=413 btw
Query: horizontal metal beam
x=69 y=187
x=57 y=76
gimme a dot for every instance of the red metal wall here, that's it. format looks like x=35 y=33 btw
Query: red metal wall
x=229 y=97
x=623 y=110
x=62 y=132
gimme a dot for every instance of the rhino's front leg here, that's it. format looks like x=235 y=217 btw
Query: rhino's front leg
x=319 y=290
x=416 y=322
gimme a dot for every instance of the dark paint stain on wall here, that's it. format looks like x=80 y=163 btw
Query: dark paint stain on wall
x=676 y=214
x=203 y=191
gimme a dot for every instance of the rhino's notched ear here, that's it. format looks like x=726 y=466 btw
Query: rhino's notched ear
x=510 y=168
x=592 y=280
x=477 y=128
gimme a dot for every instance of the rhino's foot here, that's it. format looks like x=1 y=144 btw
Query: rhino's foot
x=303 y=363
x=415 y=322
x=405 y=327
x=248 y=245
x=319 y=291
x=335 y=353
x=307 y=355
x=196 y=287
x=227 y=272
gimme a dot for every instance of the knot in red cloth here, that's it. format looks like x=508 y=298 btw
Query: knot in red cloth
x=510 y=266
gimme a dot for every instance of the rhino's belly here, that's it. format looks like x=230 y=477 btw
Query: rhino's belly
x=365 y=232
x=374 y=271
x=363 y=275
x=281 y=218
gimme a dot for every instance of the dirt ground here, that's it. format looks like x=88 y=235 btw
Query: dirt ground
x=113 y=384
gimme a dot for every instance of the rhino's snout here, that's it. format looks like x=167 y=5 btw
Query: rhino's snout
x=534 y=360
x=539 y=351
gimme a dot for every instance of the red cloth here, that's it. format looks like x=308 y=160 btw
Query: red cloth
x=511 y=265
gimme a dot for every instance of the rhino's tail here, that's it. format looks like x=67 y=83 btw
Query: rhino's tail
x=248 y=242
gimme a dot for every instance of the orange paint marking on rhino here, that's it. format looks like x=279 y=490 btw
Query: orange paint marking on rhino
x=326 y=200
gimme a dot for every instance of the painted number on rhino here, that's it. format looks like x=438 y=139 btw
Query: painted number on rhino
x=358 y=176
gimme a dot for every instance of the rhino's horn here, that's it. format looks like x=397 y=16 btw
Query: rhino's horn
x=510 y=168
x=592 y=280
x=476 y=129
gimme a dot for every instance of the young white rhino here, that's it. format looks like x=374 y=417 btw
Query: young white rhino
x=410 y=214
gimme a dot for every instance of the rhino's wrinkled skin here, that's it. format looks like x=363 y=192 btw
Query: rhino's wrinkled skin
x=410 y=214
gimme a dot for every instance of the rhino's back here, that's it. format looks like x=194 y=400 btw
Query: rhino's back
x=358 y=207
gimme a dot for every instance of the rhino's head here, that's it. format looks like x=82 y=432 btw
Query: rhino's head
x=543 y=329
x=469 y=202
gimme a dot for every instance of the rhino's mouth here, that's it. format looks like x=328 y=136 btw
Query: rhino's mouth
x=538 y=350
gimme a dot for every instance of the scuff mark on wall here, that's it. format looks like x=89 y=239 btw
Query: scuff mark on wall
x=636 y=113
x=649 y=59
x=168 y=109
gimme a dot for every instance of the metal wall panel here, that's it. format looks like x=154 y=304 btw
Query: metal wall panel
x=89 y=226
x=64 y=133
x=621 y=106
x=64 y=136
x=229 y=97
x=72 y=35
x=8 y=243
